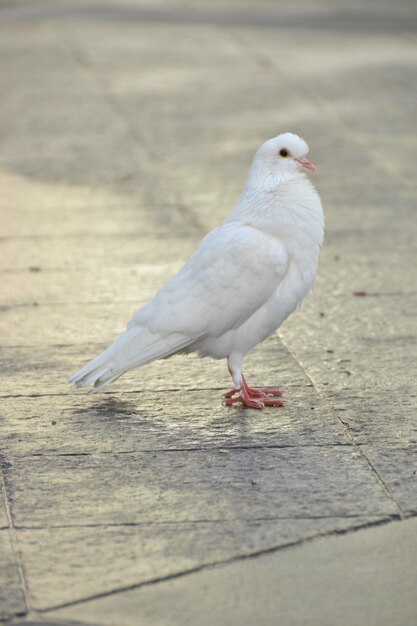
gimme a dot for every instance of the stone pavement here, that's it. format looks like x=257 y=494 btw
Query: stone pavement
x=126 y=133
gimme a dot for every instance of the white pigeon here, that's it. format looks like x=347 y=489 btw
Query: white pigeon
x=243 y=281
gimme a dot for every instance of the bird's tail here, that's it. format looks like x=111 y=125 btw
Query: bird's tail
x=133 y=348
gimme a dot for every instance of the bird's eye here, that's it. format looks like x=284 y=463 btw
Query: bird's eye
x=284 y=152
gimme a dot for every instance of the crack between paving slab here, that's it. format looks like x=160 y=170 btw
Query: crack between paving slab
x=116 y=394
x=136 y=301
x=89 y=235
x=128 y=234
x=185 y=522
x=347 y=431
x=161 y=390
x=221 y=446
x=213 y=564
x=17 y=561
x=52 y=303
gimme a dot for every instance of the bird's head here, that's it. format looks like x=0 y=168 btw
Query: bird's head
x=284 y=154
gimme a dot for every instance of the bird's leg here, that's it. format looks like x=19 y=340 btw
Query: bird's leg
x=236 y=390
x=243 y=394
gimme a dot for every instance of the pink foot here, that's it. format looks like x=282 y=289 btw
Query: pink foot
x=229 y=399
x=253 y=398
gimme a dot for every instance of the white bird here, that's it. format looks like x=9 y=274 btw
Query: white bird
x=243 y=281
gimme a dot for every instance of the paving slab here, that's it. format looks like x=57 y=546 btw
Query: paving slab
x=137 y=286
x=115 y=557
x=22 y=254
x=174 y=485
x=318 y=582
x=151 y=421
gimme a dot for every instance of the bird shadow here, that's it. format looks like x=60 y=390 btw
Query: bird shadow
x=109 y=408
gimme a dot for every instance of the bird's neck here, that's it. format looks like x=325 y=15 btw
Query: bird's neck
x=265 y=177
x=285 y=207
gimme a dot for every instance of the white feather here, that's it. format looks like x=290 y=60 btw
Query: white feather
x=242 y=282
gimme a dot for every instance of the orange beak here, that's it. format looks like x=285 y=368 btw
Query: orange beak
x=307 y=164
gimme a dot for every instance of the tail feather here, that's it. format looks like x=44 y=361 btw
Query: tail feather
x=101 y=384
x=133 y=348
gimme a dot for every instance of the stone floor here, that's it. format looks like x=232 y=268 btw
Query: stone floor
x=126 y=133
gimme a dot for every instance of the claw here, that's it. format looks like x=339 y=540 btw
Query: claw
x=230 y=393
x=274 y=402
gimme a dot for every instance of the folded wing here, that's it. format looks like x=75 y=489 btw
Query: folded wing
x=233 y=272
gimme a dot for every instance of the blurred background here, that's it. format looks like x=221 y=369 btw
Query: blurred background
x=123 y=119
x=127 y=129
